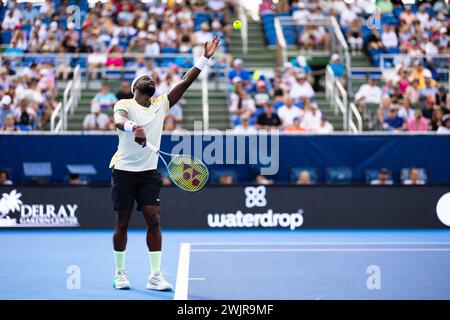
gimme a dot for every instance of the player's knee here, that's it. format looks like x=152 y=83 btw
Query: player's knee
x=154 y=221
x=122 y=223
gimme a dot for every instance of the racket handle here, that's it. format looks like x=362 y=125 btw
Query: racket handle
x=152 y=147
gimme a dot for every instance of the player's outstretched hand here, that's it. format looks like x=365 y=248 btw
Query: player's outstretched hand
x=211 y=47
x=139 y=136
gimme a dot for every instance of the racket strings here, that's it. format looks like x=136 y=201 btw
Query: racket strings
x=188 y=173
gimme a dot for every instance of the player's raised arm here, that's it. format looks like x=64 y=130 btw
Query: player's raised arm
x=122 y=123
x=177 y=92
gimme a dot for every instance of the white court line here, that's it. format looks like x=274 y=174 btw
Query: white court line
x=314 y=243
x=181 y=287
x=196 y=279
x=326 y=250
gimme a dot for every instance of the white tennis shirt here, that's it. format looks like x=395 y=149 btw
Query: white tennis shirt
x=130 y=156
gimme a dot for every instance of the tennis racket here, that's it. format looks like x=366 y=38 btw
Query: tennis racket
x=187 y=172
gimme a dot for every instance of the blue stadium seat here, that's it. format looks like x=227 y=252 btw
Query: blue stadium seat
x=339 y=175
x=313 y=173
x=5 y=37
x=37 y=169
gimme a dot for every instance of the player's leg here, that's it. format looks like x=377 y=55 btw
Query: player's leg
x=147 y=198
x=156 y=280
x=122 y=194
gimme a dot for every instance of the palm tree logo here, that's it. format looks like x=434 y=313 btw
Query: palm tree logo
x=10 y=203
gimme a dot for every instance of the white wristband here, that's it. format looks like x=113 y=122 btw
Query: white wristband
x=129 y=125
x=201 y=62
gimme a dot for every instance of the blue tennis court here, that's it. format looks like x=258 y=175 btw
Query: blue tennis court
x=231 y=265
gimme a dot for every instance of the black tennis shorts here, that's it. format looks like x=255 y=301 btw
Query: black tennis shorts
x=142 y=187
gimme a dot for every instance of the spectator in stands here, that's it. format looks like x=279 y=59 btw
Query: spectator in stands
x=408 y=16
x=19 y=40
x=25 y=115
x=436 y=119
x=445 y=127
x=337 y=67
x=261 y=96
x=406 y=111
x=105 y=99
x=312 y=117
x=177 y=112
x=6 y=108
x=348 y=15
x=266 y=6
x=241 y=103
x=418 y=123
x=301 y=89
x=389 y=38
x=226 y=179
x=430 y=87
x=170 y=124
x=429 y=108
x=414 y=178
x=124 y=92
x=245 y=127
x=96 y=120
x=383 y=178
x=262 y=180
x=412 y=92
x=74 y=179
x=368 y=93
x=374 y=45
x=304 y=178
x=325 y=126
x=295 y=127
x=238 y=70
x=114 y=51
x=354 y=36
x=393 y=122
x=287 y=113
x=10 y=21
x=4 y=179
x=268 y=119
x=9 y=124
x=383 y=112
x=302 y=66
x=300 y=16
x=199 y=39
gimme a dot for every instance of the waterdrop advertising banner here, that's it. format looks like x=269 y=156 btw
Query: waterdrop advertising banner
x=245 y=207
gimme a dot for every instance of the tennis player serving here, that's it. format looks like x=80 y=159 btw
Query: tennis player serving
x=134 y=174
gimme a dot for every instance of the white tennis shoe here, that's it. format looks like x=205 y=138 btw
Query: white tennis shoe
x=121 y=281
x=157 y=282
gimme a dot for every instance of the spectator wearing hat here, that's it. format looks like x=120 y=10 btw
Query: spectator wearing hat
x=325 y=126
x=238 y=70
x=6 y=108
x=418 y=123
x=393 y=122
x=414 y=178
x=337 y=67
x=444 y=128
x=301 y=65
x=288 y=112
x=244 y=126
x=96 y=120
x=369 y=92
x=312 y=117
x=383 y=178
x=301 y=89
x=296 y=126
x=268 y=119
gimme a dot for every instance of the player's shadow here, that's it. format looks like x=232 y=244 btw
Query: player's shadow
x=165 y=295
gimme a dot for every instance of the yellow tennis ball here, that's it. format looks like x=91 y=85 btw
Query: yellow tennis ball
x=237 y=24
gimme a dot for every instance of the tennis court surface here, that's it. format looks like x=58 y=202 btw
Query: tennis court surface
x=310 y=265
